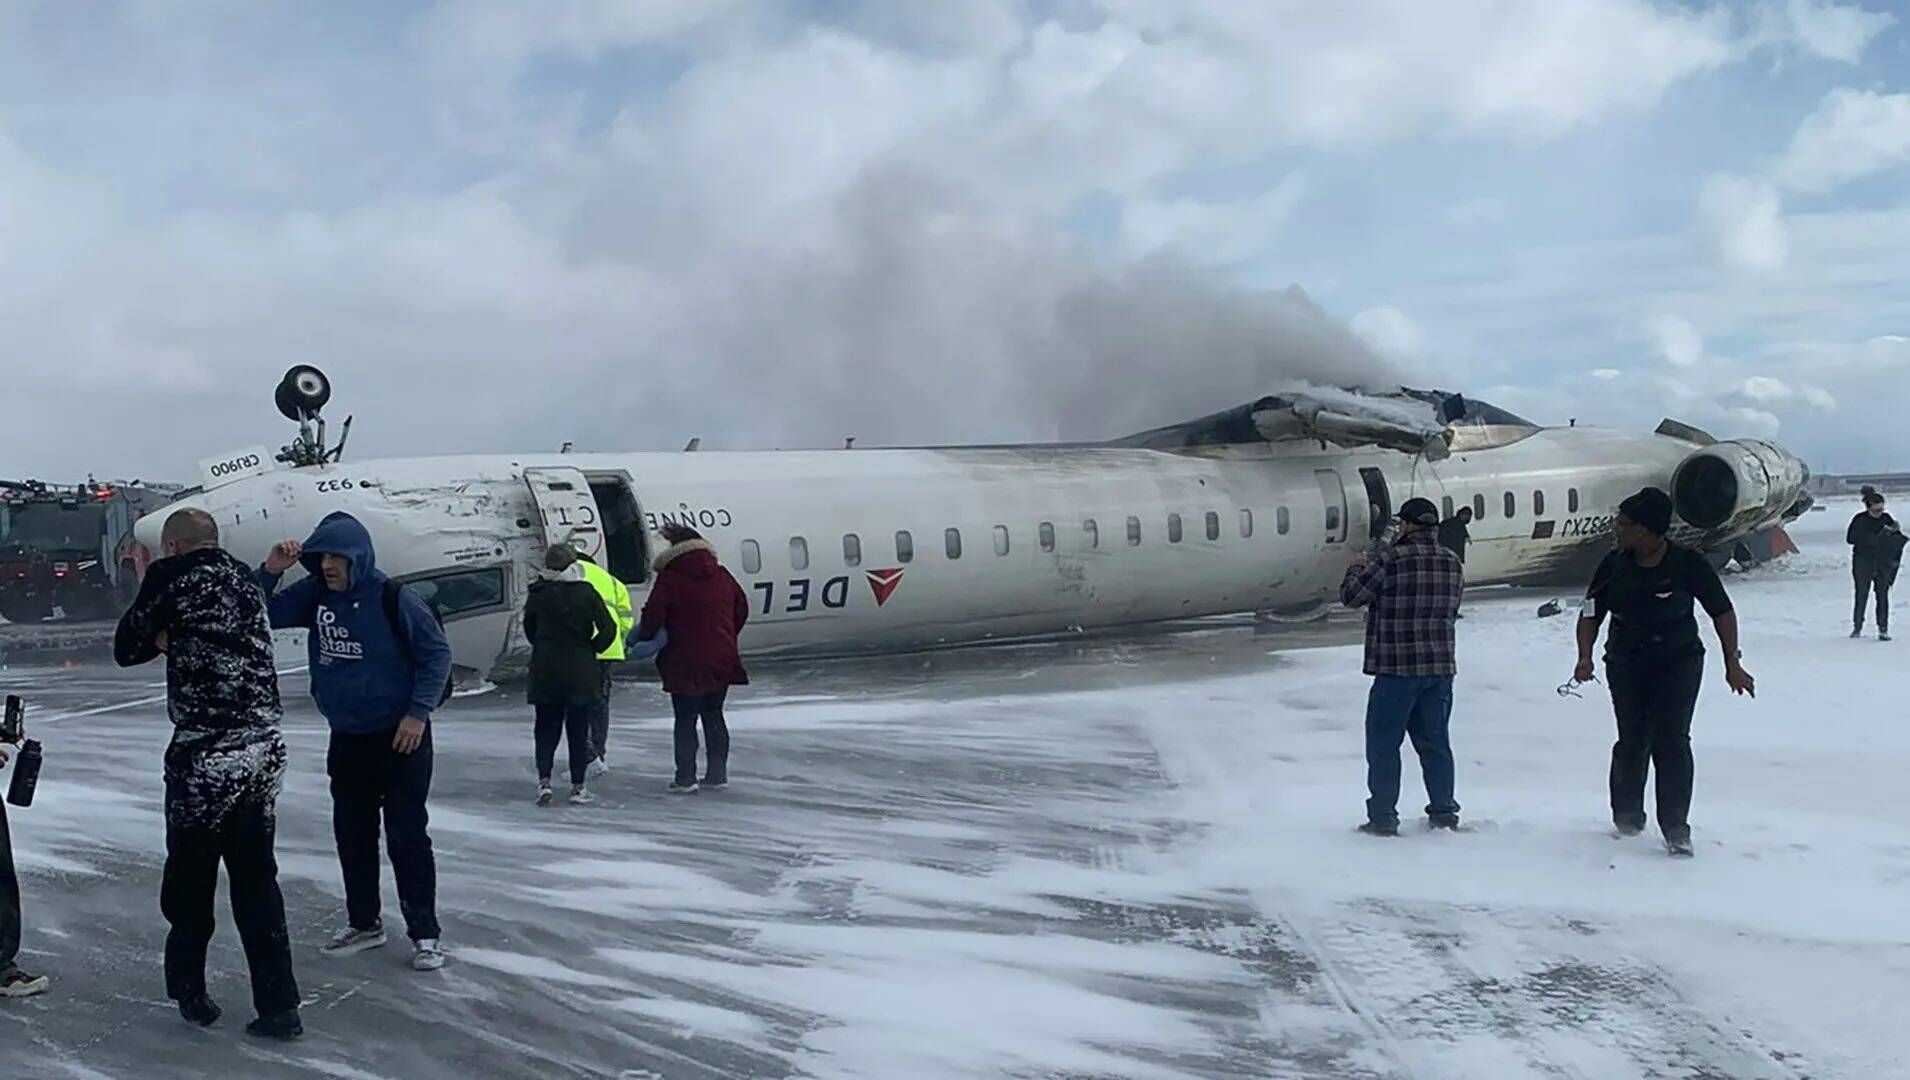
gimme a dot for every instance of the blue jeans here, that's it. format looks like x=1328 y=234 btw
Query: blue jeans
x=1399 y=706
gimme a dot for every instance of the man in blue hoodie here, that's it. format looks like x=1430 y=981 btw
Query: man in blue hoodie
x=379 y=666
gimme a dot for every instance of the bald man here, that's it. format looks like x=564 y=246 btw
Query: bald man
x=201 y=608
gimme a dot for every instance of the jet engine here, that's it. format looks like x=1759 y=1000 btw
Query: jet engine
x=1739 y=486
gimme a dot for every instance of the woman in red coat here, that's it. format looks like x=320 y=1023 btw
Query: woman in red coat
x=703 y=608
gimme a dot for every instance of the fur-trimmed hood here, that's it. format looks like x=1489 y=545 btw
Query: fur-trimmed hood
x=677 y=551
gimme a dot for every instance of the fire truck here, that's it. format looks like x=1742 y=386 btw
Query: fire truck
x=69 y=550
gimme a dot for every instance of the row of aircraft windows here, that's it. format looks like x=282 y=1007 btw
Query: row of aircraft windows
x=1044 y=533
x=1511 y=504
x=1091 y=532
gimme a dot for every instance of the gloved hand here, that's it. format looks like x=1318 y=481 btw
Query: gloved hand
x=642 y=649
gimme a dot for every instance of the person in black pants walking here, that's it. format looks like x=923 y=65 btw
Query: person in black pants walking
x=381 y=666
x=14 y=982
x=568 y=625
x=1654 y=660
x=1876 y=547
x=702 y=609
x=223 y=769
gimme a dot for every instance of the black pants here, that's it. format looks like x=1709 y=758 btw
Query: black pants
x=9 y=899
x=370 y=778
x=243 y=839
x=599 y=717
x=1869 y=575
x=708 y=708
x=1653 y=700
x=571 y=722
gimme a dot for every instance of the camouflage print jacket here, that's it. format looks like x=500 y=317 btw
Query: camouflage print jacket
x=221 y=690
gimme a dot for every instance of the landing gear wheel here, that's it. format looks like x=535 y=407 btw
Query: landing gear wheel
x=302 y=393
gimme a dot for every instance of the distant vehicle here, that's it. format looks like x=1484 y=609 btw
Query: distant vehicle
x=1256 y=509
x=70 y=548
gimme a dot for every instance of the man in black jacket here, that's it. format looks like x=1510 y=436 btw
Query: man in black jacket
x=1876 y=552
x=1454 y=534
x=201 y=608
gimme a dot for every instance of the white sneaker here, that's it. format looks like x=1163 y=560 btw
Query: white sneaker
x=425 y=955
x=351 y=941
x=18 y=984
x=682 y=789
x=580 y=797
x=543 y=794
x=597 y=768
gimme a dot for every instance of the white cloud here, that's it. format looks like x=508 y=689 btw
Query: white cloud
x=1851 y=135
x=1766 y=389
x=1743 y=220
x=1818 y=398
x=1210 y=233
x=1606 y=374
x=1678 y=342
x=1824 y=28
x=1390 y=331
x=1756 y=422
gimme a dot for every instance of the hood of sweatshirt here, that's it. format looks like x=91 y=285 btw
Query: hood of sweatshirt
x=342 y=534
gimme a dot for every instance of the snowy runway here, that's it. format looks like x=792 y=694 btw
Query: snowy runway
x=1126 y=858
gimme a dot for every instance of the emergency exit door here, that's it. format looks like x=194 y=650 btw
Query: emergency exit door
x=566 y=509
x=1379 y=501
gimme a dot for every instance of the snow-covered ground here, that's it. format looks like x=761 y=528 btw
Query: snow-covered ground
x=1124 y=858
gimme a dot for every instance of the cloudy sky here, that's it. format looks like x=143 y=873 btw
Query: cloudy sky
x=503 y=225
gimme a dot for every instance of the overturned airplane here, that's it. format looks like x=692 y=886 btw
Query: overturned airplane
x=1256 y=509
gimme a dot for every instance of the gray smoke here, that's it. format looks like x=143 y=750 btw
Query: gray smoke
x=913 y=321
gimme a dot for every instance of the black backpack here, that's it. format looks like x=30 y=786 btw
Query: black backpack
x=392 y=590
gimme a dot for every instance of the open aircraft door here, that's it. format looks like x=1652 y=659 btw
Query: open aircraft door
x=567 y=509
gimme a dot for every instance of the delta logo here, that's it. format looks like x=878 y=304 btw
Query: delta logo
x=883 y=583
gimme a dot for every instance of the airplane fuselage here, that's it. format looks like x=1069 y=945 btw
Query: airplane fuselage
x=877 y=550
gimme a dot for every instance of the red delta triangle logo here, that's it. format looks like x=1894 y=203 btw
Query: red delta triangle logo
x=883 y=584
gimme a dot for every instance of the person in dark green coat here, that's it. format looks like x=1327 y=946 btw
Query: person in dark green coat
x=567 y=625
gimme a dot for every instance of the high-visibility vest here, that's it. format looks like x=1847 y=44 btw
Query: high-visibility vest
x=616 y=597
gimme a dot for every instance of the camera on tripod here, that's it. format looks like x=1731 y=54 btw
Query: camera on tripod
x=26 y=768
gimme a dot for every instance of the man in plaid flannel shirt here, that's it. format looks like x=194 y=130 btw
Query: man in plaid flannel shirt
x=1411 y=593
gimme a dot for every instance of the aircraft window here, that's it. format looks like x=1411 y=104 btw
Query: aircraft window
x=752 y=557
x=1001 y=539
x=1479 y=507
x=461 y=592
x=1173 y=528
x=1571 y=500
x=1445 y=508
x=1093 y=533
x=1047 y=536
x=1133 y=532
x=798 y=553
x=1246 y=524
x=851 y=550
x=1332 y=519
x=952 y=541
x=1511 y=505
x=624 y=543
x=1282 y=521
x=904 y=547
x=1538 y=504
x=1213 y=525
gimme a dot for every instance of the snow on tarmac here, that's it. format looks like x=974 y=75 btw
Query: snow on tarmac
x=1131 y=857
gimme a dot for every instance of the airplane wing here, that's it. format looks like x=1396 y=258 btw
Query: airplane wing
x=1412 y=423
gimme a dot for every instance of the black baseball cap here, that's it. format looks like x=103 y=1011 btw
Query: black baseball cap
x=1419 y=512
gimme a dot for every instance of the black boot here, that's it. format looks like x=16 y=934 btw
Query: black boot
x=201 y=1010
x=278 y=1025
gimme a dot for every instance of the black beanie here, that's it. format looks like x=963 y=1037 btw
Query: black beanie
x=1650 y=508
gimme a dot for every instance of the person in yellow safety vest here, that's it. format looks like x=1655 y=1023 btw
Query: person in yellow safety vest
x=616 y=597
